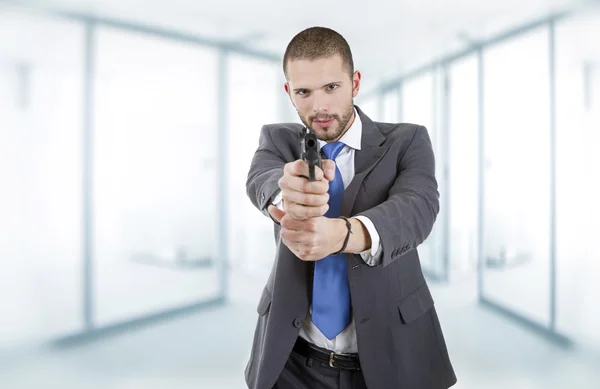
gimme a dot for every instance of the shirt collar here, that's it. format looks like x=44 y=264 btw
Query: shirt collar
x=352 y=137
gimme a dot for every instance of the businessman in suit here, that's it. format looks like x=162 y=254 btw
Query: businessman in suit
x=346 y=304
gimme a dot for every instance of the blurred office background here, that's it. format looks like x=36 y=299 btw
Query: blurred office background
x=130 y=256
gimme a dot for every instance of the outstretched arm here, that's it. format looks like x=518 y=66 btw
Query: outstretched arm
x=271 y=175
x=406 y=218
x=266 y=169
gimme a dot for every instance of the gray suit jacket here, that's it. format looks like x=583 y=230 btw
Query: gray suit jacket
x=400 y=342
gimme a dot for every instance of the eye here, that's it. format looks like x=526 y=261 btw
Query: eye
x=332 y=87
x=301 y=92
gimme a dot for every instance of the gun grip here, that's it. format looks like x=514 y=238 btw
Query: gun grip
x=311 y=172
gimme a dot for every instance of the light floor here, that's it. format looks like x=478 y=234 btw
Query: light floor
x=209 y=350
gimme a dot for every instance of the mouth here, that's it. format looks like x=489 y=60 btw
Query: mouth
x=323 y=123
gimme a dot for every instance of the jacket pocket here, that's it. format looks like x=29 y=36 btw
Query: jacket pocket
x=415 y=304
x=264 y=303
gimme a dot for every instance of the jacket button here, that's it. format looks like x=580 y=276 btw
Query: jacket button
x=262 y=197
x=297 y=323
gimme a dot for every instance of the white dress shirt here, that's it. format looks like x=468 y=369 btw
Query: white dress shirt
x=345 y=342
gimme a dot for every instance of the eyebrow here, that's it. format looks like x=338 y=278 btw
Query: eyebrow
x=329 y=83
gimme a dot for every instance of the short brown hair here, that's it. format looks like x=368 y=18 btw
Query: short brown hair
x=317 y=43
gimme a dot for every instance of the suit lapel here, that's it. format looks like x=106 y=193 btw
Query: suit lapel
x=365 y=160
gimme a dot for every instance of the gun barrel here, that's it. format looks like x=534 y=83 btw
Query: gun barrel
x=311 y=152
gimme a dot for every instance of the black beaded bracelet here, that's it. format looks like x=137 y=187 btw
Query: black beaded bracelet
x=349 y=226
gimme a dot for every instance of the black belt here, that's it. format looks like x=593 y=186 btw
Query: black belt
x=337 y=361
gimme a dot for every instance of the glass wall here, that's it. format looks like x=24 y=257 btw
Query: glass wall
x=391 y=106
x=418 y=96
x=463 y=191
x=370 y=106
x=255 y=97
x=153 y=120
x=517 y=172
x=577 y=175
x=41 y=85
x=154 y=174
x=516 y=240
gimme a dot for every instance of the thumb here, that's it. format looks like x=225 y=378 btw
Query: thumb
x=276 y=213
x=328 y=169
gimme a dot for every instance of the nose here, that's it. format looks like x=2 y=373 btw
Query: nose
x=320 y=105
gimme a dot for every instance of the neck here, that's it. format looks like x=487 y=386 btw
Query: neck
x=350 y=122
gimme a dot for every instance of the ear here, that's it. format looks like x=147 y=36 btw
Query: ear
x=286 y=86
x=355 y=83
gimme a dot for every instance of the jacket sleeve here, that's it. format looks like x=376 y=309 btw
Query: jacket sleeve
x=266 y=169
x=406 y=218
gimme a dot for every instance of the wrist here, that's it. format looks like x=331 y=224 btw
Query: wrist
x=360 y=240
x=340 y=231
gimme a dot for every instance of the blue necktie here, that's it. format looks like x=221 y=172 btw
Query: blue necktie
x=331 y=295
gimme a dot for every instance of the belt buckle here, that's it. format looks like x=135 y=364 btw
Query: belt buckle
x=331 y=360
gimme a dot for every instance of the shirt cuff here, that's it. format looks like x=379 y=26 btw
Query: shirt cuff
x=371 y=257
x=277 y=201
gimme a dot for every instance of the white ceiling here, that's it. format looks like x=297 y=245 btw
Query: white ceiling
x=387 y=37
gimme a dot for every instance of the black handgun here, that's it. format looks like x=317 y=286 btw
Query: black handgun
x=310 y=151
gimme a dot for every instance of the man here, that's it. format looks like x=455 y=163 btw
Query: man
x=346 y=304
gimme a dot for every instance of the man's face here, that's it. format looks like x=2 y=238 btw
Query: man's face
x=322 y=93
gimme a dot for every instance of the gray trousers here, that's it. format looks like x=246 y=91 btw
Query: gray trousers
x=303 y=373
